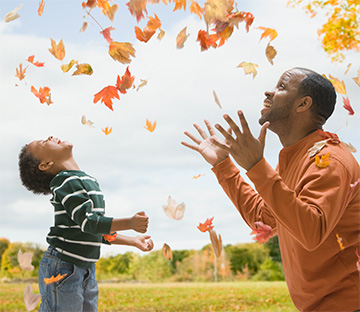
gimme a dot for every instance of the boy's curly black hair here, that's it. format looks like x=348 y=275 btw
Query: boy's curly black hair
x=31 y=176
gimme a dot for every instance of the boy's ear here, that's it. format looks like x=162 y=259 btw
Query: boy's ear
x=44 y=166
x=304 y=104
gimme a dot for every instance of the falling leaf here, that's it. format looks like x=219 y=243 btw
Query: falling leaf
x=41 y=7
x=217 y=101
x=195 y=8
x=91 y=4
x=154 y=23
x=31 y=60
x=142 y=84
x=83 y=27
x=144 y=35
x=107 y=9
x=268 y=32
x=352 y=185
x=357 y=79
x=107 y=130
x=179 y=4
x=181 y=38
x=12 y=15
x=347 y=106
x=338 y=85
x=125 y=82
x=31 y=300
x=347 y=68
x=43 y=94
x=86 y=122
x=351 y=148
x=332 y=137
x=58 y=50
x=54 y=279
x=270 y=53
x=206 y=226
x=339 y=240
x=25 y=260
x=106 y=33
x=150 y=126
x=83 y=69
x=20 y=73
x=161 y=34
x=237 y=17
x=110 y=237
x=316 y=148
x=198 y=176
x=121 y=51
x=66 y=67
x=357 y=262
x=173 y=210
x=206 y=40
x=262 y=232
x=167 y=253
x=106 y=95
x=322 y=162
x=249 y=68
x=137 y=8
x=216 y=242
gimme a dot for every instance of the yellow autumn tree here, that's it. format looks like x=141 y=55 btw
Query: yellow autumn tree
x=341 y=32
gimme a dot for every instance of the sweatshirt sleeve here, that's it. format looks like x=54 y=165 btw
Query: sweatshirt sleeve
x=310 y=211
x=246 y=200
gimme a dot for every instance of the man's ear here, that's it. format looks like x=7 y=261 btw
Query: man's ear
x=44 y=166
x=304 y=104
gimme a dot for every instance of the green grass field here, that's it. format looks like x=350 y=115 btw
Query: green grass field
x=187 y=297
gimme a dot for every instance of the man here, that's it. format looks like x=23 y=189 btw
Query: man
x=311 y=201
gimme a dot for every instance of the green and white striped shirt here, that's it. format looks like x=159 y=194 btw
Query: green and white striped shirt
x=79 y=217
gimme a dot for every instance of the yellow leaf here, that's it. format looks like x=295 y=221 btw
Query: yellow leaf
x=12 y=15
x=338 y=85
x=107 y=130
x=339 y=240
x=322 y=162
x=142 y=84
x=249 y=68
x=166 y=251
x=150 y=126
x=83 y=69
x=270 y=53
x=181 y=38
x=268 y=32
x=161 y=34
x=357 y=79
x=66 y=67
x=58 y=50
x=121 y=51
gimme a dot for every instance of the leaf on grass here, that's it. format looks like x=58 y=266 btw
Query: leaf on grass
x=107 y=9
x=106 y=95
x=106 y=34
x=181 y=38
x=12 y=15
x=83 y=69
x=150 y=126
x=25 y=260
x=166 y=251
x=357 y=78
x=110 y=237
x=31 y=60
x=216 y=242
x=270 y=53
x=137 y=8
x=351 y=148
x=107 y=130
x=262 y=232
x=268 y=32
x=142 y=84
x=347 y=106
x=217 y=101
x=338 y=85
x=54 y=279
x=323 y=161
x=206 y=40
x=249 y=68
x=125 y=82
x=121 y=51
x=316 y=148
x=66 y=67
x=339 y=240
x=83 y=27
x=31 y=300
x=173 y=210
x=58 y=50
x=43 y=94
x=206 y=226
x=41 y=7
x=20 y=73
x=86 y=122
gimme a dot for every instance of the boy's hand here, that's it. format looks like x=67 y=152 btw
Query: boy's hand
x=139 y=222
x=143 y=242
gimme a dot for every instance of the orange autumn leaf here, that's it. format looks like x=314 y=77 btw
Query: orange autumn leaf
x=195 y=8
x=225 y=34
x=154 y=23
x=206 y=40
x=107 y=130
x=20 y=73
x=167 y=253
x=107 y=9
x=54 y=279
x=249 y=68
x=43 y=94
x=339 y=240
x=83 y=27
x=357 y=78
x=121 y=51
x=144 y=35
x=198 y=176
x=179 y=4
x=31 y=60
x=110 y=237
x=268 y=32
x=41 y=7
x=150 y=126
x=206 y=226
x=181 y=38
x=91 y=4
x=58 y=50
x=322 y=162
x=161 y=34
x=106 y=33
x=262 y=232
x=137 y=8
x=338 y=85
x=83 y=69
x=238 y=17
x=270 y=53
x=125 y=82
x=216 y=242
x=106 y=95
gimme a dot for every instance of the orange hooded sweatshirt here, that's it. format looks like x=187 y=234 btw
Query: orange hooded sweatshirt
x=315 y=211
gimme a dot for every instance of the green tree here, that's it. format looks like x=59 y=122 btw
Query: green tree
x=269 y=271
x=4 y=244
x=274 y=250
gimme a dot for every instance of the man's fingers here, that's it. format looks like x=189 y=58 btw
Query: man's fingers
x=209 y=127
x=225 y=133
x=193 y=147
x=201 y=131
x=192 y=137
x=219 y=143
x=232 y=125
x=243 y=122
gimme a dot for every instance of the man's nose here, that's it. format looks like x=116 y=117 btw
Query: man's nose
x=269 y=93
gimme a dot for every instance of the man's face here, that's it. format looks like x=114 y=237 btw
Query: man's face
x=278 y=105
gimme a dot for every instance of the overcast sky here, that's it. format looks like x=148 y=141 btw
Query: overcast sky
x=138 y=170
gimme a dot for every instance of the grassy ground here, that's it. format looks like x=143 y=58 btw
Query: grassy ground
x=186 y=297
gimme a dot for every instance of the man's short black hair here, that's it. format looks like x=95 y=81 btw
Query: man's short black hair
x=31 y=176
x=320 y=90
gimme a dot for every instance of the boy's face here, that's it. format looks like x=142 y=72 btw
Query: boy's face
x=51 y=150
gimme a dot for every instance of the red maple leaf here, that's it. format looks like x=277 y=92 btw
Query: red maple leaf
x=331 y=137
x=106 y=34
x=347 y=106
x=206 y=40
x=206 y=226
x=31 y=60
x=262 y=231
x=125 y=82
x=106 y=95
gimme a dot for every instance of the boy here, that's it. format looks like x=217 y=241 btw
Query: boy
x=80 y=225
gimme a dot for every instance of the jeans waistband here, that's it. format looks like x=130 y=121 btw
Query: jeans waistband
x=52 y=251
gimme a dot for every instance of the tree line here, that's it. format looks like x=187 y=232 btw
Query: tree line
x=246 y=261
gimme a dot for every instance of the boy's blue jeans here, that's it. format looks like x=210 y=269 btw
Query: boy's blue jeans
x=77 y=291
